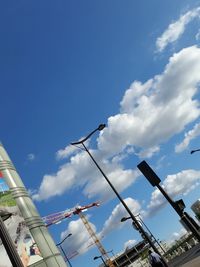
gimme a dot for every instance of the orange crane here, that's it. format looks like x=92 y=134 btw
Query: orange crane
x=59 y=216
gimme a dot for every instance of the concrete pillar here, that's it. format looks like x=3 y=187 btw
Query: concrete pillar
x=49 y=251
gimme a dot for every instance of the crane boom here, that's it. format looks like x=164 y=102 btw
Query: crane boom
x=57 y=217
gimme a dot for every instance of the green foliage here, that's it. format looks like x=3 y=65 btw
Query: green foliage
x=6 y=199
x=144 y=254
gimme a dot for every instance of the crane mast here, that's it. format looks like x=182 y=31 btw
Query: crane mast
x=95 y=238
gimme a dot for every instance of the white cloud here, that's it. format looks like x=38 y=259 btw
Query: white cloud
x=189 y=136
x=151 y=113
x=80 y=240
x=197 y=36
x=56 y=184
x=167 y=106
x=81 y=172
x=69 y=150
x=31 y=157
x=121 y=179
x=72 y=175
x=175 y=185
x=66 y=152
x=176 y=29
x=114 y=221
x=130 y=243
x=149 y=152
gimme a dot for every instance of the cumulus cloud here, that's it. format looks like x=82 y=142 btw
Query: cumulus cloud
x=114 y=221
x=56 y=184
x=94 y=185
x=150 y=114
x=69 y=150
x=66 y=152
x=189 y=136
x=165 y=100
x=130 y=243
x=175 y=185
x=80 y=241
x=176 y=29
x=149 y=152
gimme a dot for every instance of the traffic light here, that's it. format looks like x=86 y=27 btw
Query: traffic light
x=180 y=205
x=149 y=173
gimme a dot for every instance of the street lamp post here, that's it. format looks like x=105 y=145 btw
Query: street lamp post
x=60 y=245
x=143 y=223
x=97 y=257
x=136 y=223
x=7 y=241
x=151 y=234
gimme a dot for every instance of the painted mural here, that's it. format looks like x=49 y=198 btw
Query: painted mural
x=19 y=232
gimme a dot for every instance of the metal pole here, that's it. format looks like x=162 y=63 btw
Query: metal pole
x=65 y=256
x=49 y=252
x=9 y=246
x=152 y=177
x=151 y=234
x=60 y=245
x=180 y=213
x=138 y=226
x=100 y=257
x=103 y=261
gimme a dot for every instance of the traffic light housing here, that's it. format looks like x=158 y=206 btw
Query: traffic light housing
x=147 y=171
x=180 y=204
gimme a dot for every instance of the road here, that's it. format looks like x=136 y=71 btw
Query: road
x=194 y=263
x=190 y=258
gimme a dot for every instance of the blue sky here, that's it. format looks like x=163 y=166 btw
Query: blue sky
x=67 y=66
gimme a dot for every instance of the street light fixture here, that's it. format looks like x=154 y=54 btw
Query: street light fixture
x=60 y=245
x=100 y=257
x=143 y=223
x=135 y=222
x=195 y=150
x=7 y=241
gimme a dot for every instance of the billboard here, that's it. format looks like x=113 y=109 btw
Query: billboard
x=17 y=229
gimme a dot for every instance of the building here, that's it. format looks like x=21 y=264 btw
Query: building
x=196 y=209
x=131 y=256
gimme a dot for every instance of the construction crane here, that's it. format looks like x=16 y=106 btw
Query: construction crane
x=57 y=217
x=78 y=210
